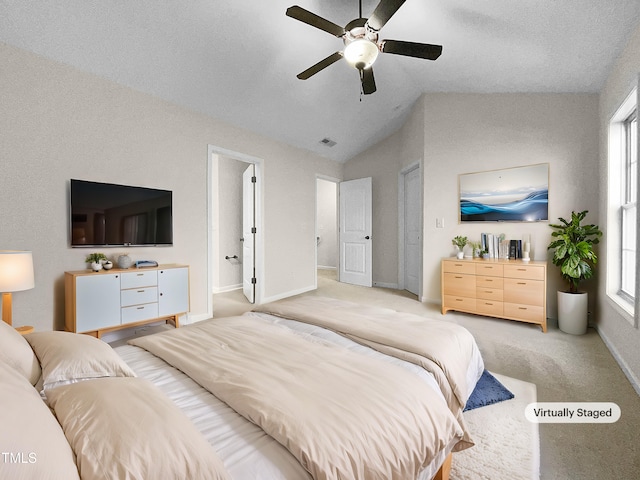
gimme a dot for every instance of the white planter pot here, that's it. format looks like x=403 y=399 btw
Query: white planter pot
x=96 y=266
x=572 y=312
x=460 y=254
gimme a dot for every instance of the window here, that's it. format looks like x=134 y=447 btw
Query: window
x=622 y=207
x=628 y=208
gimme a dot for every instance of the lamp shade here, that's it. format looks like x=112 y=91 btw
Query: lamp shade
x=16 y=271
x=361 y=53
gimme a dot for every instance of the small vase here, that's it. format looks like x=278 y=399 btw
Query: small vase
x=460 y=253
x=124 y=261
x=108 y=265
x=96 y=266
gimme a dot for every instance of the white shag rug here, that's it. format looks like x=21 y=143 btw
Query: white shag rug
x=507 y=445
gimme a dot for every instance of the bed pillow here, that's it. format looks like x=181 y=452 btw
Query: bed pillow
x=71 y=357
x=32 y=443
x=127 y=428
x=17 y=353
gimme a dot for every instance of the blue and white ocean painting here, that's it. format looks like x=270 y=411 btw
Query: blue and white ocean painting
x=509 y=195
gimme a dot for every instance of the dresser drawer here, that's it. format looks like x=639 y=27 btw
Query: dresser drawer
x=137 y=296
x=459 y=266
x=530 y=272
x=489 y=307
x=489 y=282
x=489 y=293
x=528 y=313
x=528 y=292
x=138 y=313
x=455 y=302
x=459 y=285
x=139 y=279
x=490 y=269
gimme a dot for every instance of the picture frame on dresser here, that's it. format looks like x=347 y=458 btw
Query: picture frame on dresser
x=516 y=194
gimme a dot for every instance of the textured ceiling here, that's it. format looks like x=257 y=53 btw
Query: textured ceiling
x=238 y=61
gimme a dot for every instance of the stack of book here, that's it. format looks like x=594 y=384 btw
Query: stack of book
x=501 y=248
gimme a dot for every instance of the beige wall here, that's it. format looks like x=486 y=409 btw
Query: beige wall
x=463 y=133
x=620 y=335
x=59 y=123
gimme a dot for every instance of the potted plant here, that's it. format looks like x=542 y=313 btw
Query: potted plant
x=573 y=244
x=96 y=259
x=460 y=242
x=476 y=248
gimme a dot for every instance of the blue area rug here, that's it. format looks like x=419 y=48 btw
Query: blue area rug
x=487 y=392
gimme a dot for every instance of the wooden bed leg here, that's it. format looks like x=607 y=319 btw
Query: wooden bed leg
x=445 y=469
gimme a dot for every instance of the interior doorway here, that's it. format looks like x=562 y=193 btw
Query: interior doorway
x=236 y=248
x=327 y=226
x=410 y=229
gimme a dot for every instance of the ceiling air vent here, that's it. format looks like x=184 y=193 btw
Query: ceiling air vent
x=327 y=142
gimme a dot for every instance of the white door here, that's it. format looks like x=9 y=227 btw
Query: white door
x=355 y=232
x=412 y=227
x=249 y=232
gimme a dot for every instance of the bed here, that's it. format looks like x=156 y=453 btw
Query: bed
x=298 y=389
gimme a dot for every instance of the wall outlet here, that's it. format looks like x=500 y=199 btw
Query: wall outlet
x=439 y=222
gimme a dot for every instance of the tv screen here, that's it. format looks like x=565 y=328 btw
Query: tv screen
x=104 y=214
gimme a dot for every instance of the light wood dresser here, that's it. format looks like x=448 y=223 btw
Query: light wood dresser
x=510 y=289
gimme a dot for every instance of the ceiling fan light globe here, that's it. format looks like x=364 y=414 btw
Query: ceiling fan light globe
x=361 y=53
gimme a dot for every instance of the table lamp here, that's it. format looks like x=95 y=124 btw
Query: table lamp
x=16 y=274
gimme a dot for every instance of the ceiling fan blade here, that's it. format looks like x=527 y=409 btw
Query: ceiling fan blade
x=314 y=20
x=412 y=49
x=322 y=64
x=368 y=82
x=383 y=12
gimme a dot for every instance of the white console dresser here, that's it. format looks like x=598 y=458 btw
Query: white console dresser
x=99 y=302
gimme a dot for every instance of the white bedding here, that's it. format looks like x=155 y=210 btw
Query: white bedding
x=247 y=452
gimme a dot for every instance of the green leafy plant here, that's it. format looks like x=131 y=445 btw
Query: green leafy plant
x=459 y=241
x=95 y=257
x=573 y=244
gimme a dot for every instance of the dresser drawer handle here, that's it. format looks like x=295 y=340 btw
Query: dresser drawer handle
x=488 y=291
x=457 y=264
x=140 y=308
x=458 y=277
x=488 y=303
x=488 y=280
x=522 y=269
x=522 y=283
x=459 y=300
x=522 y=308
x=139 y=274
x=140 y=291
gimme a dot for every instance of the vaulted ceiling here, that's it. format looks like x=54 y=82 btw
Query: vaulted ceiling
x=237 y=61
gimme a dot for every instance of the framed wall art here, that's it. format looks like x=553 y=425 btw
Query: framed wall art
x=519 y=194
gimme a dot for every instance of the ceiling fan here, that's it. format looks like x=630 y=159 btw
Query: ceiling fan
x=361 y=44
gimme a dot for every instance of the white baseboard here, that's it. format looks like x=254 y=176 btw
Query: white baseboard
x=229 y=288
x=394 y=286
x=291 y=293
x=324 y=267
x=635 y=382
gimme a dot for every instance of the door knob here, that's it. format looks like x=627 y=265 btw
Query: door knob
x=367 y=237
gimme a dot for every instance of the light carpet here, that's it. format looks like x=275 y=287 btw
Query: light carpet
x=507 y=445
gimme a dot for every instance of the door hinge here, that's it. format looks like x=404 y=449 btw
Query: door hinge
x=254 y=230
x=254 y=179
x=253 y=280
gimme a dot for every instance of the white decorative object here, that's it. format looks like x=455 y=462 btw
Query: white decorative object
x=96 y=266
x=124 y=261
x=573 y=312
x=108 y=265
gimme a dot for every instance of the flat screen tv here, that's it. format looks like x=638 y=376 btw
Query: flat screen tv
x=106 y=215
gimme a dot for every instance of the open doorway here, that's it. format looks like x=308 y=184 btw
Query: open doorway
x=235 y=226
x=327 y=256
x=410 y=229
